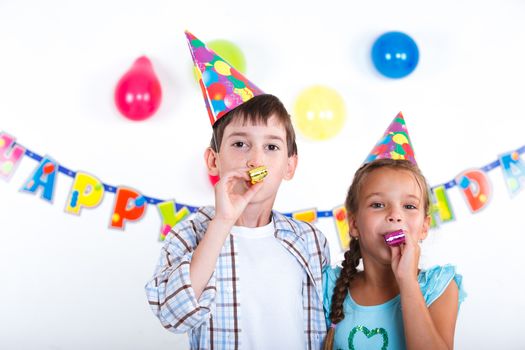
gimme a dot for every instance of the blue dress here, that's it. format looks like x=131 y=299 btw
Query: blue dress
x=381 y=326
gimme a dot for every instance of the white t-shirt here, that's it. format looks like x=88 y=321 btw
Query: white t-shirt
x=270 y=291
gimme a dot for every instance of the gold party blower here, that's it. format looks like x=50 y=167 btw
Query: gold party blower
x=257 y=174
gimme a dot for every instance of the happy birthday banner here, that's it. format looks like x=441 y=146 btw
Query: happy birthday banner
x=87 y=191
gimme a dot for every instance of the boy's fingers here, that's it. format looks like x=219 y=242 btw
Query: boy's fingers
x=252 y=190
x=240 y=173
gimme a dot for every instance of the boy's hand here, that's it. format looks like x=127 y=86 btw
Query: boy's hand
x=405 y=260
x=232 y=195
x=233 y=192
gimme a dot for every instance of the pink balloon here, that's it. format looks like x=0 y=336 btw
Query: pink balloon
x=138 y=93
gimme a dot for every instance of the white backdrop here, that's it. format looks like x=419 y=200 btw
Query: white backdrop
x=69 y=282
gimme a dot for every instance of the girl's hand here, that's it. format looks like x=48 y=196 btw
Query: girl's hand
x=233 y=192
x=405 y=260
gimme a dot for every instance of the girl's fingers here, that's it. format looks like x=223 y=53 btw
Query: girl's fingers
x=395 y=253
x=395 y=250
x=409 y=239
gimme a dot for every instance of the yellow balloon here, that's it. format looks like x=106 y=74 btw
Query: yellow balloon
x=319 y=112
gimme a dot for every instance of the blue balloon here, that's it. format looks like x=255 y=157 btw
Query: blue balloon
x=395 y=54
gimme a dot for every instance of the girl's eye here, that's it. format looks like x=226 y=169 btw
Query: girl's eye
x=377 y=205
x=410 y=206
x=273 y=147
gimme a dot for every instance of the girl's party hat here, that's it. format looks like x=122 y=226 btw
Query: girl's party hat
x=394 y=144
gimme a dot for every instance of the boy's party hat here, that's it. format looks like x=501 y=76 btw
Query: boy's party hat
x=394 y=144
x=223 y=87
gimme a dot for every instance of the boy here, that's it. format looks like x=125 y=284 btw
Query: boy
x=241 y=276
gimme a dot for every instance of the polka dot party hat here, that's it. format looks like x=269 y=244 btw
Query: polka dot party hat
x=223 y=87
x=394 y=144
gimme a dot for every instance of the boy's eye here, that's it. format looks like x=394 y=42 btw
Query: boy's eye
x=410 y=206
x=273 y=147
x=239 y=144
x=377 y=205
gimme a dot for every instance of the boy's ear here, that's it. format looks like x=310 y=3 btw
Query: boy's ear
x=211 y=158
x=290 y=169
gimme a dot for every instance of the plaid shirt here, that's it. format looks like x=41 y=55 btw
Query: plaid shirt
x=213 y=321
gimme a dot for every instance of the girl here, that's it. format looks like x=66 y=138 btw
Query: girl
x=390 y=304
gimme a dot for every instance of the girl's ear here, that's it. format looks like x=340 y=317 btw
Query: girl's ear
x=212 y=161
x=426 y=227
x=290 y=169
x=352 y=225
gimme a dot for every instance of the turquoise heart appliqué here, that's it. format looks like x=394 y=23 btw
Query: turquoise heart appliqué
x=369 y=334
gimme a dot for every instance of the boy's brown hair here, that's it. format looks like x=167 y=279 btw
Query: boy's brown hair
x=256 y=110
